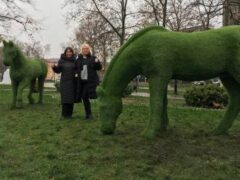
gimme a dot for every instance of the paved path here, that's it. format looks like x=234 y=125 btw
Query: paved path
x=26 y=89
x=139 y=94
x=49 y=85
x=46 y=84
x=169 y=88
x=148 y=95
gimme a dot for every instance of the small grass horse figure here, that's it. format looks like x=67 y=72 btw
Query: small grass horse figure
x=162 y=55
x=23 y=72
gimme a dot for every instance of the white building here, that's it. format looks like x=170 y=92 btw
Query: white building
x=6 y=77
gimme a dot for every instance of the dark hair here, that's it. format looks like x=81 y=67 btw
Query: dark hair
x=68 y=49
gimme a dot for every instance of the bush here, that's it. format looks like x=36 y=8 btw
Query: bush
x=128 y=91
x=206 y=96
x=57 y=86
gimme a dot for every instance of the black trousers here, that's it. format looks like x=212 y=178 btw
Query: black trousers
x=87 y=106
x=85 y=98
x=67 y=110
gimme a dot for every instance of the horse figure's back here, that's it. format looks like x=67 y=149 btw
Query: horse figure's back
x=162 y=55
x=24 y=72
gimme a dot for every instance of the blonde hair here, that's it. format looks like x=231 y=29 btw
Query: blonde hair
x=86 y=45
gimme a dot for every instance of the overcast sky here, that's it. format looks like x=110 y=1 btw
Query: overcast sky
x=55 y=32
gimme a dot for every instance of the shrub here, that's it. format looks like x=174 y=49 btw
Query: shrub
x=207 y=96
x=128 y=91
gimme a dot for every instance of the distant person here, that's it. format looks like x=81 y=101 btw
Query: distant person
x=87 y=67
x=67 y=67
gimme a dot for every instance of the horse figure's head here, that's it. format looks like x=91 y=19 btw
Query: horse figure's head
x=110 y=107
x=10 y=52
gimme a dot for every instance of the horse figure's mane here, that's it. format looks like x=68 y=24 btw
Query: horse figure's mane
x=133 y=38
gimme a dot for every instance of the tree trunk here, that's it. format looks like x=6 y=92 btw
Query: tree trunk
x=175 y=87
x=165 y=13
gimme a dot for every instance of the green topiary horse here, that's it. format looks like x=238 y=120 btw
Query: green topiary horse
x=162 y=55
x=23 y=72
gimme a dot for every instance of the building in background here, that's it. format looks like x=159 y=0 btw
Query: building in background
x=231 y=14
x=51 y=76
x=6 y=78
x=2 y=67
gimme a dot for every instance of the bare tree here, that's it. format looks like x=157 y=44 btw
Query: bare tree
x=208 y=11
x=95 y=31
x=231 y=13
x=156 y=9
x=181 y=15
x=12 y=12
x=115 y=13
x=34 y=49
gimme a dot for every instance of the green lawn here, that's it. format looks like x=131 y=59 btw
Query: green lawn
x=35 y=144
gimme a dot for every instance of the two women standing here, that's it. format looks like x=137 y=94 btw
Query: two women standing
x=79 y=79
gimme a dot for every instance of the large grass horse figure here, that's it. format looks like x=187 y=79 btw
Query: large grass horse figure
x=23 y=72
x=162 y=55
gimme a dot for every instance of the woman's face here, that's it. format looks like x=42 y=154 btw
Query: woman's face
x=85 y=51
x=69 y=53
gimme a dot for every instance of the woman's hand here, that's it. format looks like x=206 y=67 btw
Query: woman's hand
x=56 y=68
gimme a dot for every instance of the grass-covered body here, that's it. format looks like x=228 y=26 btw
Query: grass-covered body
x=162 y=55
x=23 y=72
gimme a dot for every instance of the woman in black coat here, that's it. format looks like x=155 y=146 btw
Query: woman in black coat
x=67 y=67
x=87 y=67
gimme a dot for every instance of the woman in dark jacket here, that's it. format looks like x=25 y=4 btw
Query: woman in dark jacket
x=67 y=67
x=87 y=67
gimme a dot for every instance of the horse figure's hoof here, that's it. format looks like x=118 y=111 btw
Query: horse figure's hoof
x=149 y=133
x=31 y=101
x=108 y=127
x=107 y=130
x=19 y=105
x=13 y=107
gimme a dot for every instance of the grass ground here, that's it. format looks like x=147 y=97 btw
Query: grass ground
x=35 y=144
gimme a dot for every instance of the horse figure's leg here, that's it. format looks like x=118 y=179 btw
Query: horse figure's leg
x=14 y=91
x=40 y=89
x=158 y=116
x=22 y=85
x=164 y=119
x=233 y=89
x=31 y=90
